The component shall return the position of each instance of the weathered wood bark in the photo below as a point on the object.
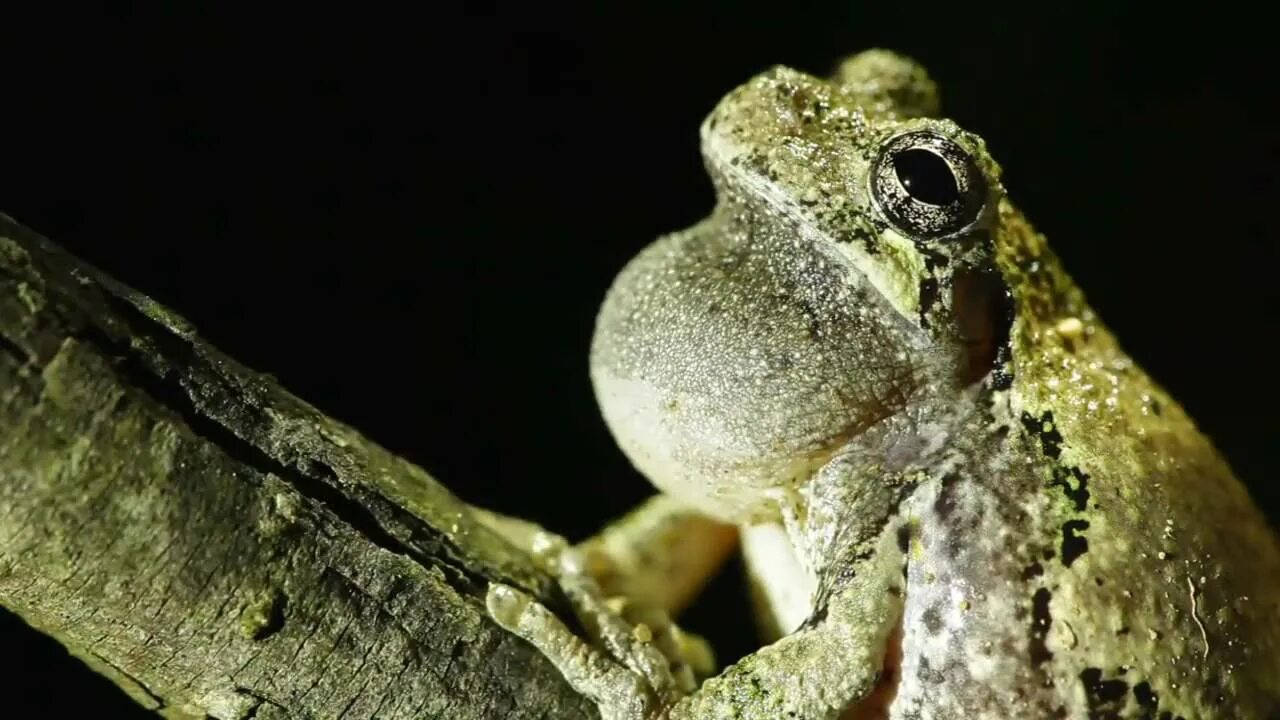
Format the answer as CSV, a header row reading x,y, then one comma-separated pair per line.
x,y
217,546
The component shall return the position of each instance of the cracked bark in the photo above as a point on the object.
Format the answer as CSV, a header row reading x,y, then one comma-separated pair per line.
x,y
216,546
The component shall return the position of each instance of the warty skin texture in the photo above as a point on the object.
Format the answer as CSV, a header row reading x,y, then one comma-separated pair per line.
x,y
1056,536
867,351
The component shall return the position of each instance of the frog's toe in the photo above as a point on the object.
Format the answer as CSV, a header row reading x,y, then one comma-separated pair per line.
x,y
688,656
505,604
620,693
640,642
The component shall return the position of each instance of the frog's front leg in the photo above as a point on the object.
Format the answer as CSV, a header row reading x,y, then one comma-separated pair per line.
x,y
815,673
822,671
624,584
659,555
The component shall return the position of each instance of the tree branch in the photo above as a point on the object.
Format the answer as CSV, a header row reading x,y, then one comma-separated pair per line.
x,y
218,547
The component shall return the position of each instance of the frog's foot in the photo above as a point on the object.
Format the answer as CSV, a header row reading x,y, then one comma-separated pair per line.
x,y
637,661
618,691
690,656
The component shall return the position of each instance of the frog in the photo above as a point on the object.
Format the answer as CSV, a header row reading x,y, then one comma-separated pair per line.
x,y
955,493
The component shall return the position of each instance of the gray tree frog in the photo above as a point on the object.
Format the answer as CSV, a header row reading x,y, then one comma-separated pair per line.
x,y
957,496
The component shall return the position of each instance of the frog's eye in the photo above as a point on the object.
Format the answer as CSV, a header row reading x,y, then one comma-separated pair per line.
x,y
927,185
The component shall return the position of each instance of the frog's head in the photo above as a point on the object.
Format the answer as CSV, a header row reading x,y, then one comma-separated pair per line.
x,y
909,201
848,270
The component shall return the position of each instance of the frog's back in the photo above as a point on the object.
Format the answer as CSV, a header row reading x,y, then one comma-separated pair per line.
x,y
1157,589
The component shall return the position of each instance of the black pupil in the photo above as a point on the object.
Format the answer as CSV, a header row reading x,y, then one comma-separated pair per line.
x,y
926,177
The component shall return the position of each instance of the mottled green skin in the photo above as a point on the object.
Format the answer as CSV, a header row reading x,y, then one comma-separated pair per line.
x,y
1167,517
1055,536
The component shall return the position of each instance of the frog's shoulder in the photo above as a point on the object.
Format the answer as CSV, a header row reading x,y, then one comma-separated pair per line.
x,y
1154,524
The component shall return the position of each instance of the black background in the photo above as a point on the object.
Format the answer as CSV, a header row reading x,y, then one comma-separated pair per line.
x,y
410,219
